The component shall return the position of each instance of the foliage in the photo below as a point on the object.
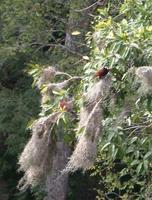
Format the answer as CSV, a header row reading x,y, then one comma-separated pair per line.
x,y
123,41
16,109
32,36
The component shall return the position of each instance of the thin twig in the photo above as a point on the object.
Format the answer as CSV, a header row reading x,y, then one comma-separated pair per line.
x,y
137,127
62,46
87,8
63,73
63,84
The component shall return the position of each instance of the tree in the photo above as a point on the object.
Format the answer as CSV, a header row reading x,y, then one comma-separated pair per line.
x,y
26,42
108,115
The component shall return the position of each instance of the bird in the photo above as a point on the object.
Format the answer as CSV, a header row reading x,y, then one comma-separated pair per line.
x,y
64,105
67,106
101,73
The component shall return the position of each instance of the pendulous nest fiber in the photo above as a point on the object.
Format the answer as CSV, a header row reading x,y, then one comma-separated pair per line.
x,y
144,75
35,159
84,155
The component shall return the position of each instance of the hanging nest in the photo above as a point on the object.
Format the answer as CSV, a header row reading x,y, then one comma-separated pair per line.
x,y
47,74
85,151
36,158
50,87
144,75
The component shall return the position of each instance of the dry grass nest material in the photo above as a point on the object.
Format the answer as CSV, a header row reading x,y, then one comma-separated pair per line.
x,y
85,151
144,75
36,157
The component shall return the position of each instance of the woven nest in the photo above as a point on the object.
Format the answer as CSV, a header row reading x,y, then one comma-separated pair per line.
x,y
36,158
85,151
144,75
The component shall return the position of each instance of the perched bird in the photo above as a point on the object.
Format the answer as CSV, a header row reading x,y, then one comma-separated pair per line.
x,y
67,105
101,73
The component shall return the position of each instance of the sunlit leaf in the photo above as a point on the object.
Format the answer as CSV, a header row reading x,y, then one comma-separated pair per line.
x,y
76,33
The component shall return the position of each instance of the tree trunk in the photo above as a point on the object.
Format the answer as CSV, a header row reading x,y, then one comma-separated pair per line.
x,y
4,192
79,18
57,184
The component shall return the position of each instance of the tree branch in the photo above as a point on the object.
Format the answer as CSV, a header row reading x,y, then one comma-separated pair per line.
x,y
87,8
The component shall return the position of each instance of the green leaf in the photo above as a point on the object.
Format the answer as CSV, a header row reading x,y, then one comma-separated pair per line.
x,y
143,140
130,149
76,33
146,165
114,151
111,135
133,139
139,167
135,45
106,145
135,162
148,154
85,57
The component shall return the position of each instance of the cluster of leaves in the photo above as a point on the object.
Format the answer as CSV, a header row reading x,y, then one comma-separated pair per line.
x,y
123,41
124,162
